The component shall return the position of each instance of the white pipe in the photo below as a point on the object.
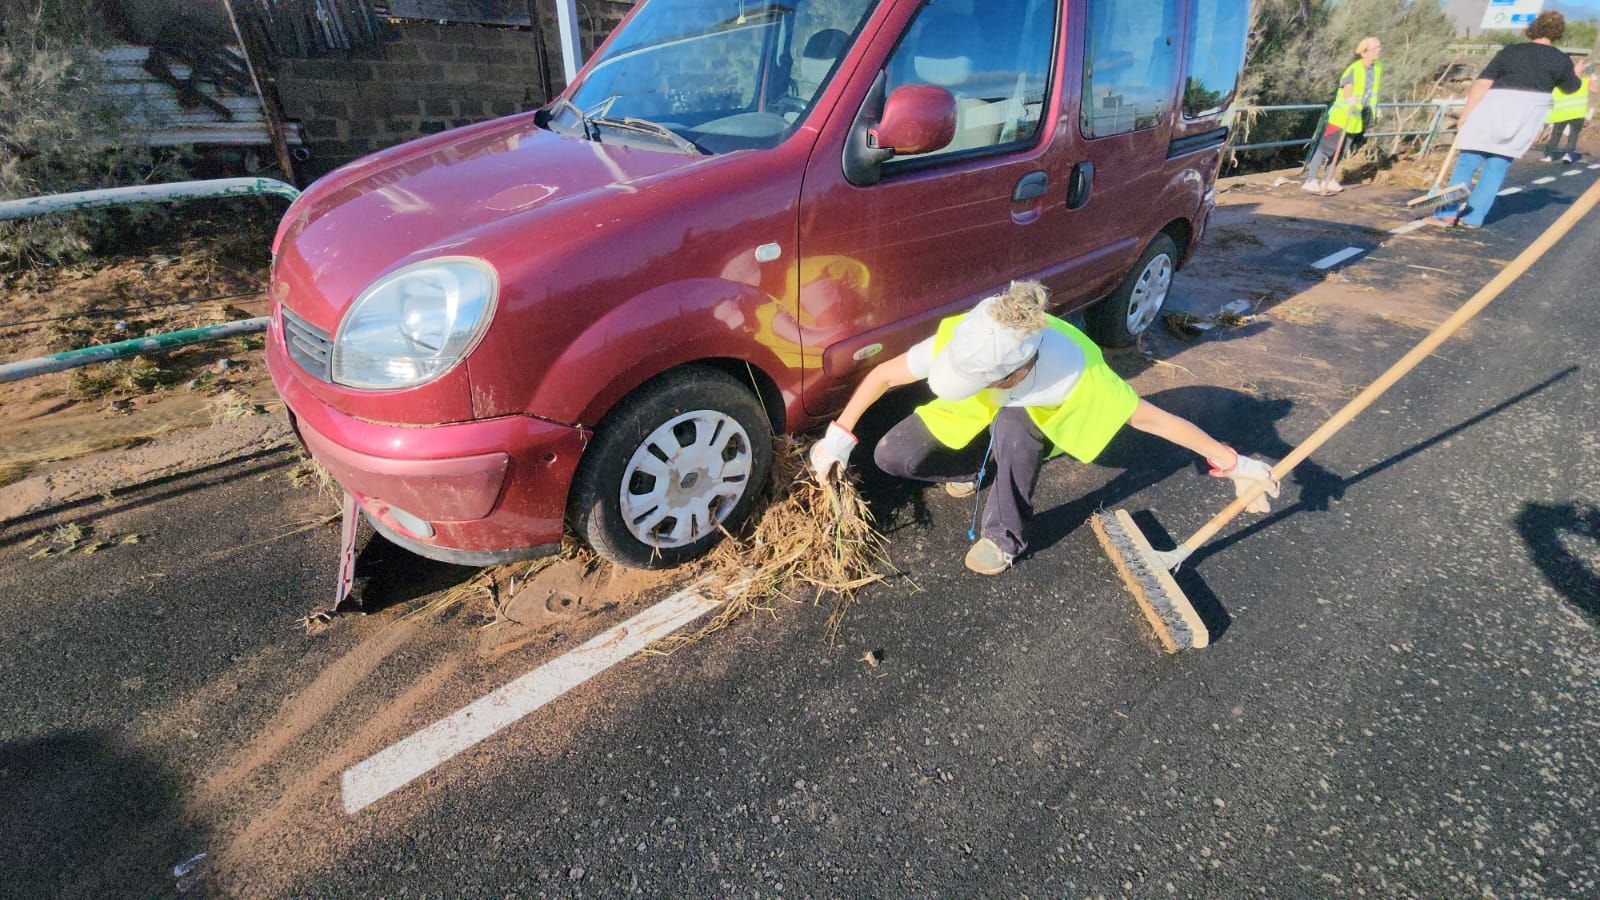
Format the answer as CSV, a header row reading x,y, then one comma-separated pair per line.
x,y
571,38
29,207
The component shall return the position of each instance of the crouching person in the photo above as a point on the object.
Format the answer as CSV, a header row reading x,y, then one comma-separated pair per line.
x,y
1017,385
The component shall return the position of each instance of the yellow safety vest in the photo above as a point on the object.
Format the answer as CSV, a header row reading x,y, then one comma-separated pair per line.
x,y
1095,410
1346,111
1569,105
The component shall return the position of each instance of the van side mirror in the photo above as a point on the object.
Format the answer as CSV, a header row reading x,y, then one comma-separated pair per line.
x,y
918,118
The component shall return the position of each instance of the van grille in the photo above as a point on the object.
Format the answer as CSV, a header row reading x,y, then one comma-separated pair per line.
x,y
308,345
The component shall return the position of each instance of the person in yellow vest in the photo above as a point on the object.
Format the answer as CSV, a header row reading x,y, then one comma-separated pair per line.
x,y
1017,385
1568,110
1348,118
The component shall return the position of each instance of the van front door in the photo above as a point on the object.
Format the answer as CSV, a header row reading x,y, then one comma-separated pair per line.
x,y
881,263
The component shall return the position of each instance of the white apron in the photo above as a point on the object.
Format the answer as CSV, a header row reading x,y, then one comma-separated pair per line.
x,y
1505,123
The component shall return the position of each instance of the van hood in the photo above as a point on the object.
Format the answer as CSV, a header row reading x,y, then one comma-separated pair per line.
x,y
429,196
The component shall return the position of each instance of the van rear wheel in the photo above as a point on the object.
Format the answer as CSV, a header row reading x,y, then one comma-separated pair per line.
x,y
677,462
1133,307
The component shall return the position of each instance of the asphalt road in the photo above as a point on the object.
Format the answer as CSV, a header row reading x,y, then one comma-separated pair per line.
x,y
1401,698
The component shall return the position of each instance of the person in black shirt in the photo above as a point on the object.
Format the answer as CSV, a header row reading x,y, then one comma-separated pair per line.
x,y
1505,112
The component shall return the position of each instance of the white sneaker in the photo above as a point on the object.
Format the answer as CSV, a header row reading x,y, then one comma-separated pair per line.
x,y
1332,187
1567,158
1547,158
986,558
1312,186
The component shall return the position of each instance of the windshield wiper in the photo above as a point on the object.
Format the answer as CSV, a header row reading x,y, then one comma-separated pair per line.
x,y
584,122
645,126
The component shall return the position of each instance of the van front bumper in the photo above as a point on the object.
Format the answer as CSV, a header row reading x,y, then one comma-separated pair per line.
x,y
472,493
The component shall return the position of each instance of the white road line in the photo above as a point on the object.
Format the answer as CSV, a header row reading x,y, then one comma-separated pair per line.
x,y
1573,172
1545,180
1593,166
1333,259
389,769
1409,227
1509,191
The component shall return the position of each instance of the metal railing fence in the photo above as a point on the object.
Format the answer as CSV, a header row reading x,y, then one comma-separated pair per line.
x,y
1430,115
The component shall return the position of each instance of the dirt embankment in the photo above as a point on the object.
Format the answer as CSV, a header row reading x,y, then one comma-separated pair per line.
x,y
212,270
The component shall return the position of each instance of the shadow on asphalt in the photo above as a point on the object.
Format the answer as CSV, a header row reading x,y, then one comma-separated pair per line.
x,y
1543,528
1334,488
387,575
145,493
87,816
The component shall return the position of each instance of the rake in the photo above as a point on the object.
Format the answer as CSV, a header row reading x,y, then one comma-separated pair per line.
x,y
1147,571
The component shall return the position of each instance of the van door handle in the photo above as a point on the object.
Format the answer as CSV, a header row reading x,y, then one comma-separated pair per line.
x,y
1080,185
1032,186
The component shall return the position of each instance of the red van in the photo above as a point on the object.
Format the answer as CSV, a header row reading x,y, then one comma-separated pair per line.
x,y
596,315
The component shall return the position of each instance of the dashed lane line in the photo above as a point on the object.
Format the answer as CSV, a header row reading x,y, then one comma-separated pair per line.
x,y
1545,180
1573,172
1593,166
1333,259
1409,227
1509,191
392,768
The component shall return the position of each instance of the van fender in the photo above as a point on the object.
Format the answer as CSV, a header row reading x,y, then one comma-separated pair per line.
x,y
666,327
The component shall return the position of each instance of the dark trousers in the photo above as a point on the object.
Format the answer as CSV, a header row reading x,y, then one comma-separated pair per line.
x,y
909,450
1573,126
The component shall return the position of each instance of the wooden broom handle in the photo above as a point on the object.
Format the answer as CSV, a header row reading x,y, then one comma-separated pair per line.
x,y
1471,308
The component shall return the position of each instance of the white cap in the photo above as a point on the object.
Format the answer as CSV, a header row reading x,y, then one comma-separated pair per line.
x,y
981,351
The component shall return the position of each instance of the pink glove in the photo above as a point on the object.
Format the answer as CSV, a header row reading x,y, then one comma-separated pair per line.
x,y
1246,474
830,455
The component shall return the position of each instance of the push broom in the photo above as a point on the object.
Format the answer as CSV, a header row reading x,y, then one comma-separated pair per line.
x,y
1147,571
1436,199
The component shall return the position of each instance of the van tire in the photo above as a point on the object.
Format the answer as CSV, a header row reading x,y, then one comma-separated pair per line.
x,y
712,402
1109,320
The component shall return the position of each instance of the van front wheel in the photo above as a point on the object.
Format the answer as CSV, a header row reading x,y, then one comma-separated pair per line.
x,y
677,462
1132,308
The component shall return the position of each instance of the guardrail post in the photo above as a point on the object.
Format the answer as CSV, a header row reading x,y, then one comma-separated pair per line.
x,y
1433,127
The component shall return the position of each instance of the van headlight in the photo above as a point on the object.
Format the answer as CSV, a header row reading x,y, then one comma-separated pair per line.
x,y
415,323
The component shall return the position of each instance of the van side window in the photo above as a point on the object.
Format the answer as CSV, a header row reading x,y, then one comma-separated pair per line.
x,y
1130,64
1216,54
993,55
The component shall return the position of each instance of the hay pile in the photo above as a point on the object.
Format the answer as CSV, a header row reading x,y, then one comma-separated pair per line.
x,y
810,536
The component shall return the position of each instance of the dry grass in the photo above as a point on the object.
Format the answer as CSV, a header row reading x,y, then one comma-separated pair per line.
x,y
11,472
232,405
816,537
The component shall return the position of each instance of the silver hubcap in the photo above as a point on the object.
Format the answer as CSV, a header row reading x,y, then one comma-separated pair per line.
x,y
1149,293
685,479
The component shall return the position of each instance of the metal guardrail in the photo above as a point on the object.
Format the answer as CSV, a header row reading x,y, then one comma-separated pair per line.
x,y
29,207
1429,135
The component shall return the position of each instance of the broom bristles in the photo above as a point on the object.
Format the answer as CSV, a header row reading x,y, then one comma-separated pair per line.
x,y
817,536
1168,610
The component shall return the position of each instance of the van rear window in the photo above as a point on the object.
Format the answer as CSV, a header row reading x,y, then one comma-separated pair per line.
x,y
1130,65
1217,39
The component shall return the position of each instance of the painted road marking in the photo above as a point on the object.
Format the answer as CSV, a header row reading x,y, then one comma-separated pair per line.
x,y
392,768
1593,166
1509,191
1545,180
1333,259
1573,172
1409,227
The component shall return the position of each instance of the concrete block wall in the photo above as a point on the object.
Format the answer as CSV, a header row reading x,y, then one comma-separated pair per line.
x,y
425,78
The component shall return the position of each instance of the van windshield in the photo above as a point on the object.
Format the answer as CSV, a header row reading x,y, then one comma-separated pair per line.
x,y
721,75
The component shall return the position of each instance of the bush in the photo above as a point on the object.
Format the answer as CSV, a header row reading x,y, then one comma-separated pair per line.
x,y
1299,47
61,132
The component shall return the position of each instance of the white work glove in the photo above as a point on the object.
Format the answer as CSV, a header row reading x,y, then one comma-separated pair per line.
x,y
1246,474
830,455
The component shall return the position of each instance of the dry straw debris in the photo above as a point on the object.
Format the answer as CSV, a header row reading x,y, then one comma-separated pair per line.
x,y
811,536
